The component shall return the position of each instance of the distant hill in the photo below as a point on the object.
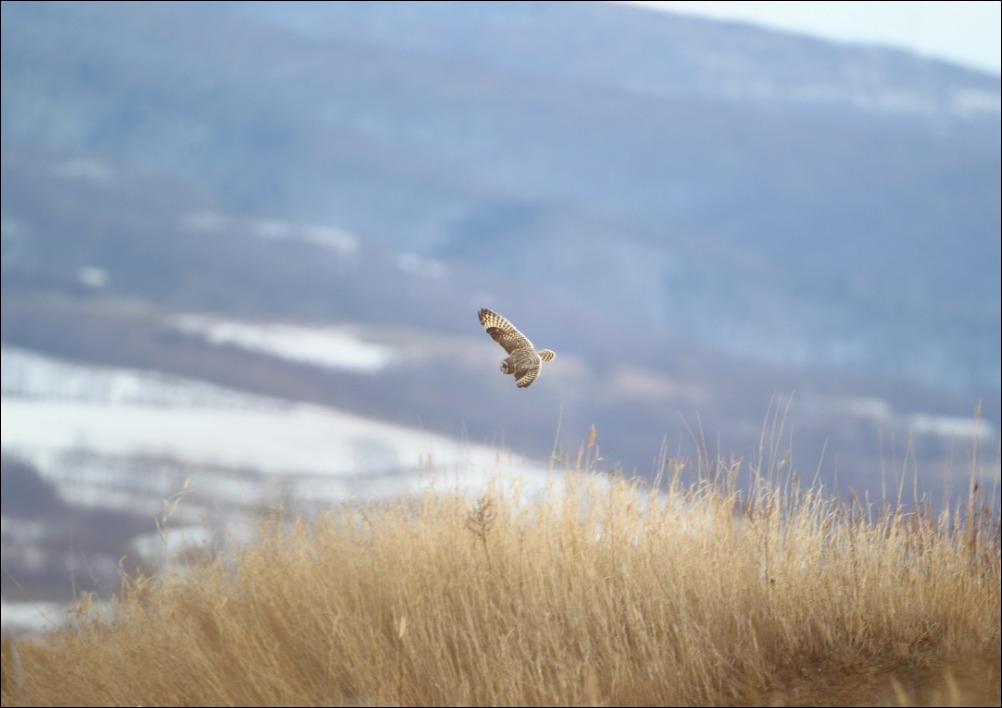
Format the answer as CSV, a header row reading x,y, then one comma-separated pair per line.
x,y
773,196
710,204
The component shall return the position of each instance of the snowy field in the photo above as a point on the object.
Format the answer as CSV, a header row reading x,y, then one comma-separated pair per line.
x,y
332,347
50,406
217,458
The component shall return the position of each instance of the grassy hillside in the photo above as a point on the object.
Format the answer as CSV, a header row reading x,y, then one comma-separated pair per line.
x,y
601,593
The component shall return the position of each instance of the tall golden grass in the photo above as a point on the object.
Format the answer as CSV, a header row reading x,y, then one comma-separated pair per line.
x,y
601,592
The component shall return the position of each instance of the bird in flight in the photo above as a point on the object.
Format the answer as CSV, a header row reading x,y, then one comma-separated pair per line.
x,y
523,360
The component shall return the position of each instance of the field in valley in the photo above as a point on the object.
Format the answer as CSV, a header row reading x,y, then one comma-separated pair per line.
x,y
598,592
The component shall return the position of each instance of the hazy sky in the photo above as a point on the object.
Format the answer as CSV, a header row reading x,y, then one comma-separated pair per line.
x,y
966,33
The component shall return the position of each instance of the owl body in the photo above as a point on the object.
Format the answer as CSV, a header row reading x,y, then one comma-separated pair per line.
x,y
523,361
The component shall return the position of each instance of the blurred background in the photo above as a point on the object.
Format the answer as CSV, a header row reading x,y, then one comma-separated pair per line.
x,y
244,244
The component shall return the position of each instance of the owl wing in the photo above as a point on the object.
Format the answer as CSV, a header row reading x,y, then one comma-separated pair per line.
x,y
527,377
503,332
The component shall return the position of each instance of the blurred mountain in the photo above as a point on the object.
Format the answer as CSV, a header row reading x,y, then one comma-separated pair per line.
x,y
695,214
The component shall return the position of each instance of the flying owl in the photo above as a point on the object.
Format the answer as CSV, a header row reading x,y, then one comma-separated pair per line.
x,y
523,360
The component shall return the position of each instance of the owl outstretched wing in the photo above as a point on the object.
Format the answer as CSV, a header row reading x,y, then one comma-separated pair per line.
x,y
503,332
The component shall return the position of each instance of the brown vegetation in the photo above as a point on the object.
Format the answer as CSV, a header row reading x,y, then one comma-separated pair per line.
x,y
598,593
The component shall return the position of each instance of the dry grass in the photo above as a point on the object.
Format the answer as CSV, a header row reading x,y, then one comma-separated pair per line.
x,y
601,594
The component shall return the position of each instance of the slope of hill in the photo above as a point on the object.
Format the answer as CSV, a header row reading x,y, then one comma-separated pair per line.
x,y
772,196
728,235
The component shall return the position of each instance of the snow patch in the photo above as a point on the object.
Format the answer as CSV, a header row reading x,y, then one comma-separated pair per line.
x,y
416,265
29,375
331,347
86,169
339,240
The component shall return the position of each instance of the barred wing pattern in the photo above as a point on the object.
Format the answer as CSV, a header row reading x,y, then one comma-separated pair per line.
x,y
523,361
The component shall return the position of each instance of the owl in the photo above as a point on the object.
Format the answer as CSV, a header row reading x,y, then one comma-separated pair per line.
x,y
523,360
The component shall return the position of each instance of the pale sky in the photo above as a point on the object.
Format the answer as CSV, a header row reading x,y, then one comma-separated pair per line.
x,y
962,32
